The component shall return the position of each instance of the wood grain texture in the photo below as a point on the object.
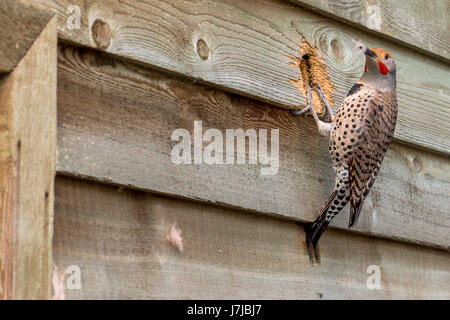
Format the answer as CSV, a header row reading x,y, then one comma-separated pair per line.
x,y
115,122
247,41
20,24
27,170
420,24
8,180
117,239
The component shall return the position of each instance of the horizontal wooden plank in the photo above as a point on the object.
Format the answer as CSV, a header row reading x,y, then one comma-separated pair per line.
x,y
20,25
421,24
117,238
115,122
239,45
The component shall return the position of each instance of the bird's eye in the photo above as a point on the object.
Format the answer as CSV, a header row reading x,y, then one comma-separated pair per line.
x,y
386,56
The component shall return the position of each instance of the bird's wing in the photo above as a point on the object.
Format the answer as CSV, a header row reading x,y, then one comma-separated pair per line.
x,y
388,120
360,169
373,141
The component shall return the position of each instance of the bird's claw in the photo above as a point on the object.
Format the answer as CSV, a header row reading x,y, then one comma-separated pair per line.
x,y
325,101
309,106
300,112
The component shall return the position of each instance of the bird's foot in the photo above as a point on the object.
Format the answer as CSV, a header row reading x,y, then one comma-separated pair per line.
x,y
328,109
300,112
310,107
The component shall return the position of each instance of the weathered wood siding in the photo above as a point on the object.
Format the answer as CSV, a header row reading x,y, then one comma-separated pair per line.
x,y
121,134
116,237
247,41
422,25
137,70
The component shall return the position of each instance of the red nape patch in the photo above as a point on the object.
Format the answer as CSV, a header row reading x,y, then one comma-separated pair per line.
x,y
383,69
365,68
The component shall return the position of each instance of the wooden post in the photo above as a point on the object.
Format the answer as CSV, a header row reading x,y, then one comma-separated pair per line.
x,y
27,155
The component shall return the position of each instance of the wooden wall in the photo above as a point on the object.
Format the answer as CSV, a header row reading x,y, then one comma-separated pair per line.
x,y
246,41
117,238
137,70
115,121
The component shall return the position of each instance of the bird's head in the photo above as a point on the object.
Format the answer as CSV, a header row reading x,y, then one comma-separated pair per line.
x,y
379,70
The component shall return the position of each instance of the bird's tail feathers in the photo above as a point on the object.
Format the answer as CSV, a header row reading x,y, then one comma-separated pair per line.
x,y
355,210
318,227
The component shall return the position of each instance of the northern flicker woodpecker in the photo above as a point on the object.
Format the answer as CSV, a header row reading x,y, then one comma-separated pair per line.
x,y
360,134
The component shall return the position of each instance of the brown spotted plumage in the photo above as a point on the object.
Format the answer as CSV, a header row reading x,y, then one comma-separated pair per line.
x,y
360,134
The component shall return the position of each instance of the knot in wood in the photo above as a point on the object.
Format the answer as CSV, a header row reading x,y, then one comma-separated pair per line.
x,y
101,33
337,49
202,49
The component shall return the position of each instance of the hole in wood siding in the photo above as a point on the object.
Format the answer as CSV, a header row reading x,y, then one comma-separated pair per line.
x,y
312,70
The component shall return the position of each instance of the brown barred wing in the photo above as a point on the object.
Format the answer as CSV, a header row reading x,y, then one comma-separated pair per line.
x,y
372,144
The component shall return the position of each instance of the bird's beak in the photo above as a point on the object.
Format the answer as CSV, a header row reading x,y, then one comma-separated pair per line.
x,y
369,53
